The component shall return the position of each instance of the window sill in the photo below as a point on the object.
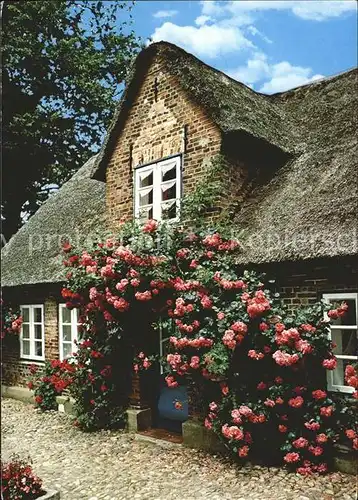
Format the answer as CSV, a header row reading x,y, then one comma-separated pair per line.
x,y
27,361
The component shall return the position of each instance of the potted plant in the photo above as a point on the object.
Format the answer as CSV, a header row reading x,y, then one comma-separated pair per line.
x,y
18,481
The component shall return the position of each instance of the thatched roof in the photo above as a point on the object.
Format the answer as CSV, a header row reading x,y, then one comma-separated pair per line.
x,y
309,208
74,212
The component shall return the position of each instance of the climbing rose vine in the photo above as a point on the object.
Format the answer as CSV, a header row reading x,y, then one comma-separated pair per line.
x,y
260,370
11,320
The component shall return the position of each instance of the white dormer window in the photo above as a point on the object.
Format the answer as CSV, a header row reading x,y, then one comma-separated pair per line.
x,y
344,333
158,190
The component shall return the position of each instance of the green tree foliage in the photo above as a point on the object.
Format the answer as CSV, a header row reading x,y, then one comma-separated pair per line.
x,y
63,63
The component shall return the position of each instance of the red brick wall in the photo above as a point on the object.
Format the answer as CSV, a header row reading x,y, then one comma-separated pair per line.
x,y
160,123
304,283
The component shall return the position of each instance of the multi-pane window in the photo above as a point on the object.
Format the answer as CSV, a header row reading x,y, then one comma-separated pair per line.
x,y
68,327
344,334
32,338
158,190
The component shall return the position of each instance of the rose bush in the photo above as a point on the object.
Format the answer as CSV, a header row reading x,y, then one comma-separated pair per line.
x,y
51,382
261,370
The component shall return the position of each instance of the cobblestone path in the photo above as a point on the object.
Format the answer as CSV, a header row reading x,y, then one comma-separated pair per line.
x,y
115,466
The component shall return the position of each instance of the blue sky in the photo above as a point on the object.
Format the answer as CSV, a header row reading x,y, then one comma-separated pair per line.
x,y
269,45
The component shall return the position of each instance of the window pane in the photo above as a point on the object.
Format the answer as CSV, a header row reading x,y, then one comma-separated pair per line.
x,y
66,333
346,341
25,314
26,347
146,197
169,191
338,373
146,213
38,348
67,350
66,315
37,314
169,172
146,178
350,318
38,331
25,331
79,332
169,210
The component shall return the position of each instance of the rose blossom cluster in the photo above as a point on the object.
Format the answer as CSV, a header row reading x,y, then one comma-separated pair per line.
x,y
351,378
351,434
339,312
171,382
197,343
212,415
181,285
258,305
292,338
234,335
284,358
215,241
227,284
141,362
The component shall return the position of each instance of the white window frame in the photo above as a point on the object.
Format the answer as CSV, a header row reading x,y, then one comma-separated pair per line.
x,y
162,341
330,297
157,184
32,339
74,330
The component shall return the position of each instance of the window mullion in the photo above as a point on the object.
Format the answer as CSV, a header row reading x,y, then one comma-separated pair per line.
x,y
156,191
61,330
136,192
73,328
32,332
43,330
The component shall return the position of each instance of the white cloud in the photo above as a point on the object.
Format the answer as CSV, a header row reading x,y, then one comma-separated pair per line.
x,y
285,77
279,77
212,8
312,10
227,26
256,69
320,11
201,20
205,41
255,32
162,14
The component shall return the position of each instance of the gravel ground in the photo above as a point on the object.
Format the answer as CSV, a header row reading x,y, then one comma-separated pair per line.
x,y
115,466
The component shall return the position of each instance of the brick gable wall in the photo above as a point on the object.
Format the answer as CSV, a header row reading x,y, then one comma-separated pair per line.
x,y
161,122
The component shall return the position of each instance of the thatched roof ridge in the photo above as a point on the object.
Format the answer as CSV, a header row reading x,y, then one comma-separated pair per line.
x,y
75,212
309,208
232,105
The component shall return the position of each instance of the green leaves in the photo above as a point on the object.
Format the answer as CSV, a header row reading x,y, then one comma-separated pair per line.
x,y
63,65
